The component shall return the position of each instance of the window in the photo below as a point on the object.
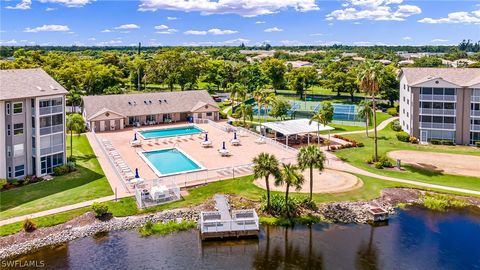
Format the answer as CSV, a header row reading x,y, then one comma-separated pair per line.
x,y
17,107
426,91
57,160
403,98
18,129
19,170
449,91
18,150
9,172
9,151
44,103
32,103
9,130
209,113
57,119
408,101
56,102
407,126
8,108
407,114
33,122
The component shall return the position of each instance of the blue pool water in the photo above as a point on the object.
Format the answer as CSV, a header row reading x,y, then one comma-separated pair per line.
x,y
170,161
169,132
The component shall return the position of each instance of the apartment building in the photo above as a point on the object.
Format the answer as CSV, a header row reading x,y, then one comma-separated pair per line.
x,y
32,123
441,103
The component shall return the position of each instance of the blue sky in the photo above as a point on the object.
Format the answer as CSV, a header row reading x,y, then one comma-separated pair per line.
x,y
231,22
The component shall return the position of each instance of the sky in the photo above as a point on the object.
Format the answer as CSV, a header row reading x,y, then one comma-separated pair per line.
x,y
232,22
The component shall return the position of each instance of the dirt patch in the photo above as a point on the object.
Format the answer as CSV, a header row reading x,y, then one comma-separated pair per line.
x,y
438,163
328,181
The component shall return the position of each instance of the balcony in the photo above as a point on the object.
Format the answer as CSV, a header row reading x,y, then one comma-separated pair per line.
x,y
438,97
51,109
475,113
474,127
51,129
437,125
475,99
52,149
437,111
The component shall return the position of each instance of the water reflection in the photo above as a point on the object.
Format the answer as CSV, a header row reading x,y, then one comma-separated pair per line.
x,y
414,239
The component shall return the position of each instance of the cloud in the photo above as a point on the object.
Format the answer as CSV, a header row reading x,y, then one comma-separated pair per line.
x,y
407,38
259,22
127,26
437,40
287,42
92,39
50,9
106,31
273,29
48,28
362,43
172,18
230,42
9,42
24,4
245,8
236,41
213,31
110,43
161,27
69,3
456,17
316,34
378,10
164,29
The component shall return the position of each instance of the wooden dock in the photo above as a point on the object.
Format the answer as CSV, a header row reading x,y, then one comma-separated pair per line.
x,y
226,222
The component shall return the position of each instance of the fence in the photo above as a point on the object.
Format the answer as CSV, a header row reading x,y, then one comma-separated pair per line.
x,y
146,196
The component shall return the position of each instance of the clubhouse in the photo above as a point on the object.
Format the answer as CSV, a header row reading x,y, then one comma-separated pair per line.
x,y
113,112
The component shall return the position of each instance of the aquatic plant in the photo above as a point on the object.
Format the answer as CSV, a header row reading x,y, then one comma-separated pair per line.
x,y
439,202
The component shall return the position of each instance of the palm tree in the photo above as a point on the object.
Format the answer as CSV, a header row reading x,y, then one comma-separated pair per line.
x,y
290,175
311,157
245,111
269,100
74,97
265,165
365,110
237,92
75,124
370,78
259,95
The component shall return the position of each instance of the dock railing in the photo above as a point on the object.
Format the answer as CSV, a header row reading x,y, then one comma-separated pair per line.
x,y
215,225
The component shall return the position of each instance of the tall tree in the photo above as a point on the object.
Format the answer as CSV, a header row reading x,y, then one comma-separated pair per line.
x,y
291,176
324,116
275,70
310,156
301,79
370,77
391,86
280,108
75,124
365,110
74,97
264,166
260,94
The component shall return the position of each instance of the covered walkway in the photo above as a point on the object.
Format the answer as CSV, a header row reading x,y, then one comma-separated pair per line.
x,y
296,127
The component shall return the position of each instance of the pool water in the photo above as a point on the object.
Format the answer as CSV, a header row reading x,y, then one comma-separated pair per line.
x,y
169,132
170,161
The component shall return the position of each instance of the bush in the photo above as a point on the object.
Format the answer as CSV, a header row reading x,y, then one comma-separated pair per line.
x,y
447,142
71,166
100,209
435,141
395,126
403,136
477,143
277,205
392,111
60,170
223,115
29,225
413,139
378,165
360,144
3,182
385,162
440,202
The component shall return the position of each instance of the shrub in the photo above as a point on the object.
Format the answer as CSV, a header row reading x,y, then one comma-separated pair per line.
x,y
395,126
60,170
435,141
403,136
447,142
223,115
333,148
385,161
277,205
360,144
477,143
3,183
440,202
378,165
71,166
29,225
27,179
71,159
392,111
100,209
413,139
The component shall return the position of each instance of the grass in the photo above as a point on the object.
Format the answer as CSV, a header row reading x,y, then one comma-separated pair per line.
x,y
388,142
166,228
381,116
283,221
440,202
87,183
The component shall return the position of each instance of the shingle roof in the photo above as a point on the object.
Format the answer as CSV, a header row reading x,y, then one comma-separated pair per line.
x,y
24,83
464,77
148,103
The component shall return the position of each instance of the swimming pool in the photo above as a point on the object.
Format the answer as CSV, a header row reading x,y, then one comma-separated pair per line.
x,y
170,161
169,132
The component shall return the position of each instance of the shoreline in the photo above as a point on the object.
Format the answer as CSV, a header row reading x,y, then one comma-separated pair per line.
x,y
355,212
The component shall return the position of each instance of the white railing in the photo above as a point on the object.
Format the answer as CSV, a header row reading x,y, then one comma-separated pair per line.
x,y
51,109
424,97
474,127
437,111
219,225
52,149
51,129
475,99
474,113
437,125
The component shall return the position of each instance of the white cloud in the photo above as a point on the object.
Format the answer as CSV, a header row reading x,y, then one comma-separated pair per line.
x,y
259,22
407,38
456,17
379,10
127,26
9,42
106,31
92,39
287,42
362,43
437,40
110,43
236,41
48,28
230,42
69,3
246,8
273,29
316,34
24,4
161,27
172,18
50,9
213,31
164,29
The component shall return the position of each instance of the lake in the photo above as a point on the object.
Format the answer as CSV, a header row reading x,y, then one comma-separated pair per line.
x,y
415,238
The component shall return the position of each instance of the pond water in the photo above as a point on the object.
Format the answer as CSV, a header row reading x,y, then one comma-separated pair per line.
x,y
414,239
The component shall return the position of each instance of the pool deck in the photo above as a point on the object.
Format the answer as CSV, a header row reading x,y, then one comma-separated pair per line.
x,y
217,167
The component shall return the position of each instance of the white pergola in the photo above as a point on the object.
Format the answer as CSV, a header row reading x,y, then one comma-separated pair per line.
x,y
296,127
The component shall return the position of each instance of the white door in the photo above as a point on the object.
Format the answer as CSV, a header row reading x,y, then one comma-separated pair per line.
x,y
112,124
102,125
423,137
121,123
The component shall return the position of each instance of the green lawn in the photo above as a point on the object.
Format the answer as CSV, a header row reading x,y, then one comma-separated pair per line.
x,y
242,186
381,116
87,183
388,142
